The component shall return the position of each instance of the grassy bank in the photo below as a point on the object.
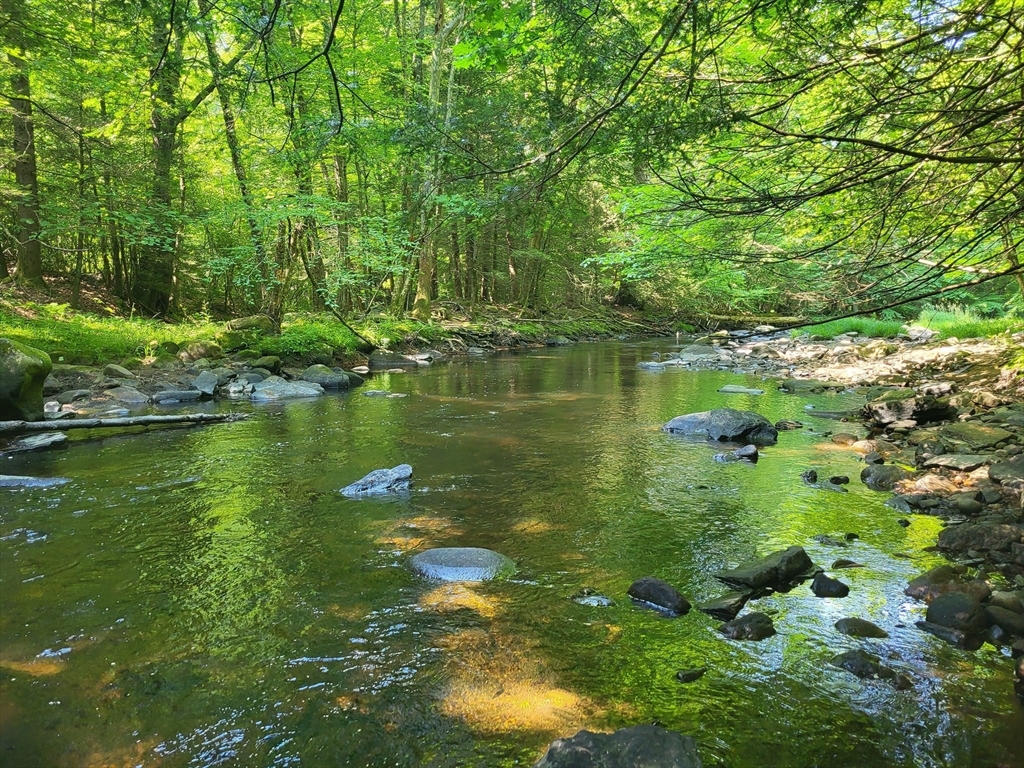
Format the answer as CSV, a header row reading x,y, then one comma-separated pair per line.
x,y
952,322
87,338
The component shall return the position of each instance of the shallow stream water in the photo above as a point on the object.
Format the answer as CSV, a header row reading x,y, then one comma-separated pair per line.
x,y
205,596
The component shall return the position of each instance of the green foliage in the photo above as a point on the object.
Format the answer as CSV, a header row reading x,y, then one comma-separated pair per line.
x,y
877,329
964,323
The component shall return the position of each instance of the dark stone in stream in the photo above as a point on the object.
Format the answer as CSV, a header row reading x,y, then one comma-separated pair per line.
x,y
690,675
868,667
727,607
944,580
592,599
639,746
1010,622
968,641
325,377
753,626
785,425
839,480
828,541
957,610
855,627
381,481
176,396
660,595
809,476
844,563
903,522
823,586
776,571
462,564
747,453
874,457
882,477
980,536
725,425
41,441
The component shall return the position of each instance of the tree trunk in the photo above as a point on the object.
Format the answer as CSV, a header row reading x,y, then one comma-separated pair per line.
x,y
26,230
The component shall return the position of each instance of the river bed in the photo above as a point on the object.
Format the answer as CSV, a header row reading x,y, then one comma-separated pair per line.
x,y
203,597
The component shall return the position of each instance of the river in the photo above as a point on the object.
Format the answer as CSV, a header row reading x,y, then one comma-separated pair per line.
x,y
205,596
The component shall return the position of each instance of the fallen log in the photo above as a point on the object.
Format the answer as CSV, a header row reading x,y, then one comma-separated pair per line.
x,y
25,427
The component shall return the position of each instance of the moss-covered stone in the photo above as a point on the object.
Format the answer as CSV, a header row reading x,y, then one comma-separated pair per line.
x,y
23,370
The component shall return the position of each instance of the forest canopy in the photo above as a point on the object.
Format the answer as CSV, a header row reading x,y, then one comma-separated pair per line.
x,y
819,158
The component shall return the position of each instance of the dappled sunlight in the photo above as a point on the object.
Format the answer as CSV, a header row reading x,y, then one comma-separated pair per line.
x,y
533,525
497,686
37,667
453,597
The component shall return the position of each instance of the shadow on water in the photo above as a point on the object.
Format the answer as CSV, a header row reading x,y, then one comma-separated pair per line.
x,y
206,597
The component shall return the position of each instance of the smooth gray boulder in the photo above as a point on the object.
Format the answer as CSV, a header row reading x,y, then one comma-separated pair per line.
x,y
176,396
325,377
462,564
381,481
855,627
382,358
276,388
660,595
206,382
980,536
115,371
776,571
127,395
640,746
23,370
752,626
20,481
725,425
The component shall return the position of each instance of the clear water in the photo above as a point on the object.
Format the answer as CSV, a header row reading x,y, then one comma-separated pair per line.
x,y
202,597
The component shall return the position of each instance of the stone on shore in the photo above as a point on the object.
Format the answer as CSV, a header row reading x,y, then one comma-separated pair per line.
x,y
382,358
975,436
325,377
381,481
462,564
961,462
23,370
639,746
725,425
659,595
907,405
980,536
776,571
206,382
752,626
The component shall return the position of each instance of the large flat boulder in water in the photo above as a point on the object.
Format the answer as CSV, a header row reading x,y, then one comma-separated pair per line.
x,y
462,564
725,425
276,388
640,746
776,571
380,481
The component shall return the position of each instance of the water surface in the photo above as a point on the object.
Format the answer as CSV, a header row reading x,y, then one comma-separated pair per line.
x,y
205,596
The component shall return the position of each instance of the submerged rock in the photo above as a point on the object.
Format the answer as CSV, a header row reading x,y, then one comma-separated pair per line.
x,y
753,626
735,389
176,396
868,667
380,481
462,564
725,425
727,607
41,441
20,481
882,477
640,746
776,571
855,627
659,595
943,580
689,675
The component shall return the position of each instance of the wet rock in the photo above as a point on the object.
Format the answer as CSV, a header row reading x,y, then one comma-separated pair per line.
x,y
735,389
906,404
903,522
1010,622
20,481
726,607
690,675
381,358
784,425
808,386
592,599
650,365
276,388
844,563
776,571
42,441
354,379
974,435
829,541
959,461
839,480
325,377
969,506
1011,470
23,370
127,395
640,746
868,667
725,424
557,341
882,477
874,457
381,481
747,453
462,564
660,595
1010,601
957,610
752,626
73,395
855,627
272,363
969,641
206,383
979,536
809,476
823,586
844,438
176,396
943,580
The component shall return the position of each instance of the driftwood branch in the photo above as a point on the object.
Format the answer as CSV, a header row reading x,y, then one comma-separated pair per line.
x,y
59,425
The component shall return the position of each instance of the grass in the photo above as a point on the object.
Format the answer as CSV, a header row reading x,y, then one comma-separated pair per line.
x,y
879,329
962,323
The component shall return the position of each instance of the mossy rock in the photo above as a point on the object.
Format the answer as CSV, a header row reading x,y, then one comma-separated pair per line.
x,y
23,370
231,340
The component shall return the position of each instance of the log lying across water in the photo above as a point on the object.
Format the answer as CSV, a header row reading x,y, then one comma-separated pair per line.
x,y
60,425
